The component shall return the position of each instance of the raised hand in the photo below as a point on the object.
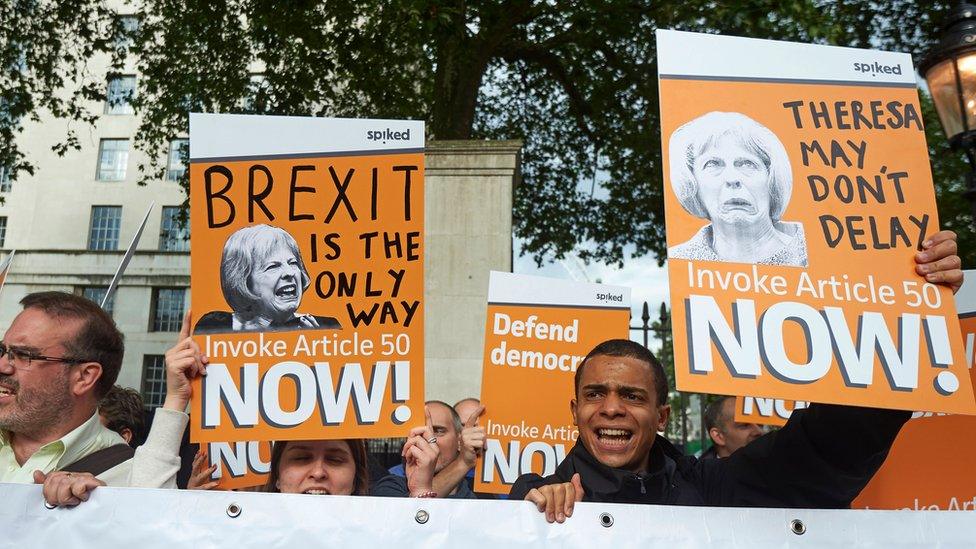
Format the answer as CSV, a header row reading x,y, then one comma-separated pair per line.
x,y
184,362
472,443
938,261
420,454
201,474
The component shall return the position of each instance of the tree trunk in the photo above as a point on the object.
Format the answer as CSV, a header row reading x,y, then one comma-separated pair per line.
x,y
457,80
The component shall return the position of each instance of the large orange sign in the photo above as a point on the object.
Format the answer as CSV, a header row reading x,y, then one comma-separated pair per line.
x,y
765,411
240,464
903,482
537,332
795,202
930,466
307,277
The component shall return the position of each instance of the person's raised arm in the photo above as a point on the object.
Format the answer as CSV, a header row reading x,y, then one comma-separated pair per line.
x,y
826,453
420,453
157,462
472,446
184,363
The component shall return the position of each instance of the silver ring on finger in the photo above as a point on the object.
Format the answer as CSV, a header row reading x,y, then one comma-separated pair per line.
x,y
432,440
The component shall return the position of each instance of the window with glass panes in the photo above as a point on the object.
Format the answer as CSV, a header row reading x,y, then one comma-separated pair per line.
x,y
173,237
167,308
176,164
153,380
104,231
3,230
113,157
127,27
121,89
4,179
97,294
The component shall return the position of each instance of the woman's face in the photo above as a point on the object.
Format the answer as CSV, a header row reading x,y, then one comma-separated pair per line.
x,y
317,467
276,280
733,183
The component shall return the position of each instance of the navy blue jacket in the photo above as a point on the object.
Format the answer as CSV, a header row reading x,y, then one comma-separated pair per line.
x,y
821,459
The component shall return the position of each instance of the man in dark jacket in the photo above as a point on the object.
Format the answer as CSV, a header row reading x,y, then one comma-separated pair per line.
x,y
822,458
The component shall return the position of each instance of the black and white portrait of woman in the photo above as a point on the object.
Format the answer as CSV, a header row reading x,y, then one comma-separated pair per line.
x,y
732,171
263,279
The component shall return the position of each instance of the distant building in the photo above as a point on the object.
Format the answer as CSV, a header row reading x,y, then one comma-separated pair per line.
x,y
71,222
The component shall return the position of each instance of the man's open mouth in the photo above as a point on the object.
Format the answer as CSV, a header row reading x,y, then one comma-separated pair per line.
x,y
738,204
7,391
614,437
288,291
316,492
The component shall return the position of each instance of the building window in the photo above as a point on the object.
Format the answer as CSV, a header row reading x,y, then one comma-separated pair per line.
x,y
121,90
126,29
153,381
113,156
4,179
104,232
167,309
3,230
176,163
97,294
173,237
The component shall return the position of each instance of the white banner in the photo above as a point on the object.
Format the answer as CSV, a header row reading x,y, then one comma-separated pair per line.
x,y
129,517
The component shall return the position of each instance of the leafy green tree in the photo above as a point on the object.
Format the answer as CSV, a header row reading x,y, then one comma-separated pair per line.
x,y
44,50
576,80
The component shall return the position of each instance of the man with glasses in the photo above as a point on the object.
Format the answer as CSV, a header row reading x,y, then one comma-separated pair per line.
x,y
59,356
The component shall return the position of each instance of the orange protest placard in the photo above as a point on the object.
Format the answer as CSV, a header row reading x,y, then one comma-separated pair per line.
x,y
765,411
930,466
798,191
537,332
240,464
306,277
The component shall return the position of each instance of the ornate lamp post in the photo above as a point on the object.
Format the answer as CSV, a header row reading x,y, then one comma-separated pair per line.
x,y
950,71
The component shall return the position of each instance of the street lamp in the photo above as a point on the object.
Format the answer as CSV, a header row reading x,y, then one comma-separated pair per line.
x,y
950,71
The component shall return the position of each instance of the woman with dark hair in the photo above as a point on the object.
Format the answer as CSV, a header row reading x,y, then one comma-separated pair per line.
x,y
263,279
339,467
321,467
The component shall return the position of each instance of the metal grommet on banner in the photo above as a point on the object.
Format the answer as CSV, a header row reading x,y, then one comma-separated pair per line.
x,y
421,517
797,527
234,510
606,520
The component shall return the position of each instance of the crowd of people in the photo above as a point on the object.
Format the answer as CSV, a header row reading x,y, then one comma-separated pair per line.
x,y
63,424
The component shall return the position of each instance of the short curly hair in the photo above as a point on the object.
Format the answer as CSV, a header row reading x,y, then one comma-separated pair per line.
x,y
694,138
243,250
122,408
629,349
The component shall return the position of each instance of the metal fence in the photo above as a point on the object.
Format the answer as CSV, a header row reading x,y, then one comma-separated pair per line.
x,y
386,451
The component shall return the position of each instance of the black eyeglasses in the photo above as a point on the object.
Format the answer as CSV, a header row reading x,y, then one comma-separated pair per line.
x,y
21,356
